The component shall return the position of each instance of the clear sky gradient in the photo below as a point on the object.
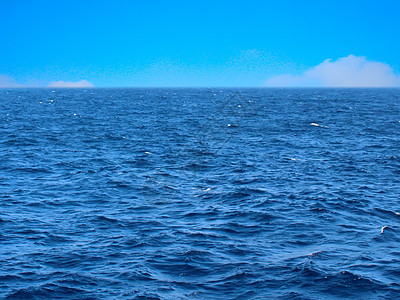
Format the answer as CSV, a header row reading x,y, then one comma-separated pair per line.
x,y
196,43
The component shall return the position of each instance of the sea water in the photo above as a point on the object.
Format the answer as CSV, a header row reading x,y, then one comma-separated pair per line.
x,y
200,193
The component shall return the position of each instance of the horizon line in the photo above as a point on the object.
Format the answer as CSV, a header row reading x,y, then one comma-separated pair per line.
x,y
202,87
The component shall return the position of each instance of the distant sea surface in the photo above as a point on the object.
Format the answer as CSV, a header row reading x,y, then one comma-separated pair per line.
x,y
200,194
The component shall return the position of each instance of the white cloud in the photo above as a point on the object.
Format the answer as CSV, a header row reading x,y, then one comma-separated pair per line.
x,y
8,82
70,84
350,71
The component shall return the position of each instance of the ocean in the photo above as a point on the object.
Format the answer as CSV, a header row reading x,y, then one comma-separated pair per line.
x,y
200,193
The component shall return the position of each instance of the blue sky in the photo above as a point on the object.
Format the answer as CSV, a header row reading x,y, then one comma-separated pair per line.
x,y
196,43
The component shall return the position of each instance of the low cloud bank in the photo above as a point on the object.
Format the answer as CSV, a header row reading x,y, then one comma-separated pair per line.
x,y
8,82
350,71
70,84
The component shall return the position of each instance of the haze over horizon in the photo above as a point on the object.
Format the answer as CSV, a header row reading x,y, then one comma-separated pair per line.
x,y
199,44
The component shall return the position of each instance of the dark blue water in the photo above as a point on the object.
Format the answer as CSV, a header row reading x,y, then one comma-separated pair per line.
x,y
200,194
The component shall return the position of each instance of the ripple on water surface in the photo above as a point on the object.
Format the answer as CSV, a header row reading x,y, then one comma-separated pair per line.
x,y
199,194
